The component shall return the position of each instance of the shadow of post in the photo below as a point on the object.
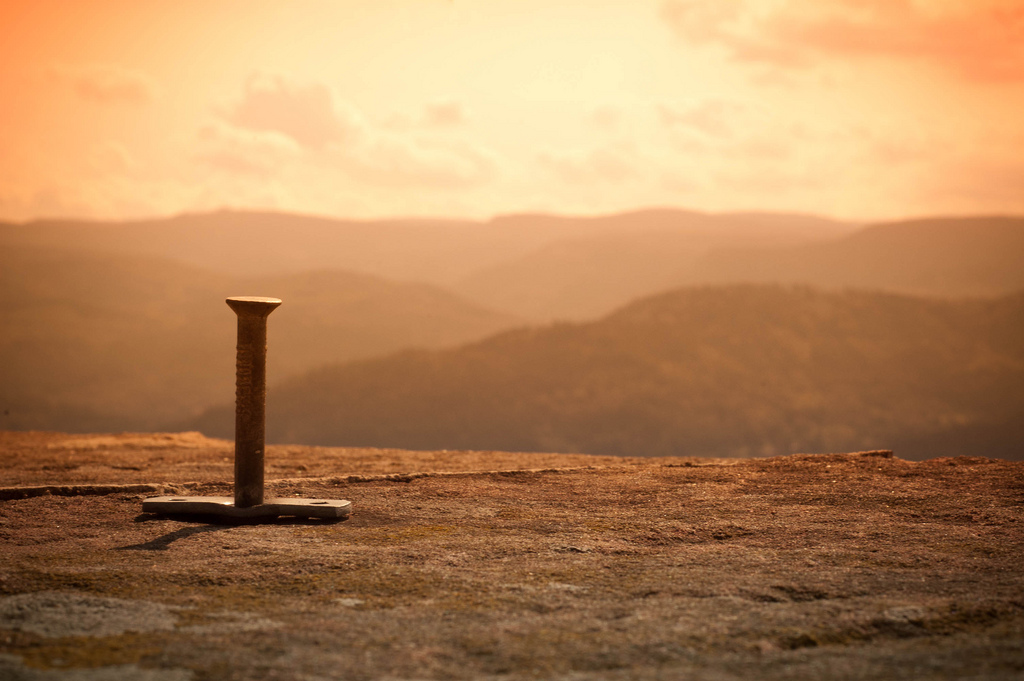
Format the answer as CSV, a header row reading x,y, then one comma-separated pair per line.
x,y
162,543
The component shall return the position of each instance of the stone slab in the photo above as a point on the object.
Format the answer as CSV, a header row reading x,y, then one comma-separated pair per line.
x,y
510,567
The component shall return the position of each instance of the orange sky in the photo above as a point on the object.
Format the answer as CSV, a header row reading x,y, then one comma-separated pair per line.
x,y
852,108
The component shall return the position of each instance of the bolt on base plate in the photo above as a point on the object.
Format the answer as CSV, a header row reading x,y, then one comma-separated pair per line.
x,y
225,507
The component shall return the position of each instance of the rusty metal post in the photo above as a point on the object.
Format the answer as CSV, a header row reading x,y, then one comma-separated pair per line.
x,y
250,396
248,503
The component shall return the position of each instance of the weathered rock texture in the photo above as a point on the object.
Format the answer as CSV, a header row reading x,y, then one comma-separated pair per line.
x,y
470,565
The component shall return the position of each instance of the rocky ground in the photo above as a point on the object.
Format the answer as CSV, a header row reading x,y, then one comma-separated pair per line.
x,y
490,565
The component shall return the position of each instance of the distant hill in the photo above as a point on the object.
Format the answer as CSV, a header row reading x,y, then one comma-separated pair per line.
x,y
937,256
249,243
95,341
623,257
725,371
438,251
584,277
549,267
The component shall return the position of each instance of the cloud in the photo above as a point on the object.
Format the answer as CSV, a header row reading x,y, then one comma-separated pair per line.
x,y
598,165
388,159
278,123
445,114
243,151
713,117
981,40
606,118
108,83
732,130
111,157
699,21
305,112
978,183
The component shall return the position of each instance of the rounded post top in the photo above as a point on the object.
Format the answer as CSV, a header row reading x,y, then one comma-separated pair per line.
x,y
253,304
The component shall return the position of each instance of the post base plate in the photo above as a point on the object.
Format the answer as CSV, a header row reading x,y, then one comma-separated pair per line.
x,y
225,507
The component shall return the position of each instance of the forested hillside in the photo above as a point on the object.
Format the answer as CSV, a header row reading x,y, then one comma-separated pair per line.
x,y
586,277
966,256
729,371
94,341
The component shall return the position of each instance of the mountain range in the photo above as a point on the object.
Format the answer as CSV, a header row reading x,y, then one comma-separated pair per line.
x,y
544,267
115,326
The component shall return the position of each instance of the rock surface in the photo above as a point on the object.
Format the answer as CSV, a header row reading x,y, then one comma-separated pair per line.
x,y
477,565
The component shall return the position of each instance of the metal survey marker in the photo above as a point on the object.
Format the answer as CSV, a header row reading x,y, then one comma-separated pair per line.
x,y
250,432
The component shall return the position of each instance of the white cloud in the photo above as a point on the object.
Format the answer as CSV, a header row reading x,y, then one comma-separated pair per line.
x,y
601,165
306,112
606,118
108,83
111,157
401,160
714,117
277,122
699,21
52,201
975,183
445,114
981,40
244,151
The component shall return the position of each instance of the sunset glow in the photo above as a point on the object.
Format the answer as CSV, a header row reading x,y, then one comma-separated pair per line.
x,y
849,108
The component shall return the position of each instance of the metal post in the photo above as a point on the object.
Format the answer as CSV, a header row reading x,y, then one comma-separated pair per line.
x,y
250,430
250,396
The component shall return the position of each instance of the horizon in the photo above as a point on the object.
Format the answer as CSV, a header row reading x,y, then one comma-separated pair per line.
x,y
517,214
856,111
